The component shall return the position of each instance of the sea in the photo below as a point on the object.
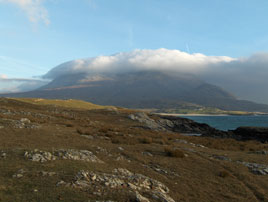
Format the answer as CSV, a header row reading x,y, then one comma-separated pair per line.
x,y
230,122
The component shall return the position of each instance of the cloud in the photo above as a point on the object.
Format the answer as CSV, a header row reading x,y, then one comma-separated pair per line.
x,y
160,59
33,8
11,85
245,77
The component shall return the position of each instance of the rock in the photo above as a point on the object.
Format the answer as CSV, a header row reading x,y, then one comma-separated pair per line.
x,y
3,154
251,133
1,127
82,155
258,169
49,174
132,186
19,173
60,183
144,118
90,137
25,120
39,156
121,149
140,198
166,123
147,153
163,197
17,176
181,141
200,145
120,178
187,126
224,158
69,154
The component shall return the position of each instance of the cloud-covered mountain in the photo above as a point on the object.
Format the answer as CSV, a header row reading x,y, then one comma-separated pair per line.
x,y
244,77
160,79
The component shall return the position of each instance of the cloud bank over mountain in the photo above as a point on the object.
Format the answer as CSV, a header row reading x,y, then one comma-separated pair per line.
x,y
137,60
245,77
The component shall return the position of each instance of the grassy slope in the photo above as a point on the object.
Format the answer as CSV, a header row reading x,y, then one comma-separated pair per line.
x,y
197,177
75,104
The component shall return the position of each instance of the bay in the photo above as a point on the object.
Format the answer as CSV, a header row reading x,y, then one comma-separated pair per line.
x,y
230,122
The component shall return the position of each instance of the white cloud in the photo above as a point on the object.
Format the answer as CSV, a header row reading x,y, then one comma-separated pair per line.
x,y
245,77
11,85
33,8
161,59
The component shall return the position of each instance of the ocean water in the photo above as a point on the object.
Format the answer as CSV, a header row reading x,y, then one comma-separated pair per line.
x,y
231,122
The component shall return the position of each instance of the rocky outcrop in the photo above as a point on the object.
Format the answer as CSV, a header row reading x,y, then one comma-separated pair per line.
x,y
258,169
183,125
178,124
69,154
251,133
187,126
121,178
146,120
255,168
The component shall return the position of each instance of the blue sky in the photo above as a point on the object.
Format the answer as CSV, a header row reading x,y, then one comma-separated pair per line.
x,y
87,28
37,35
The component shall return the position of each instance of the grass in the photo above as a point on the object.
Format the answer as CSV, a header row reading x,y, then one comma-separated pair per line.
x,y
211,180
75,104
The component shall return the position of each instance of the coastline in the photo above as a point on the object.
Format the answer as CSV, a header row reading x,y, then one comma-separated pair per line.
x,y
171,114
250,114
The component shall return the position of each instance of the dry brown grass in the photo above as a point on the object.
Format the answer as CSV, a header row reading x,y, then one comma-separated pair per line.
x,y
200,177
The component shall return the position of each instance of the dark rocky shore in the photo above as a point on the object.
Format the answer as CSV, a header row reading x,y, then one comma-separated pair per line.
x,y
184,125
187,126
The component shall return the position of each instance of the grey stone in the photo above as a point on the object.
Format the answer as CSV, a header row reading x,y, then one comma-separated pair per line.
x,y
258,169
121,177
140,198
90,137
69,154
25,120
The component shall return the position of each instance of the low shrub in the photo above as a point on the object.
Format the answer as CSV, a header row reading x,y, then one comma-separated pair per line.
x,y
80,131
146,140
224,174
174,152
116,141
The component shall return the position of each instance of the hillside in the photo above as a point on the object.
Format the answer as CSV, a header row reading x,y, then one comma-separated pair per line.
x,y
73,104
52,153
144,89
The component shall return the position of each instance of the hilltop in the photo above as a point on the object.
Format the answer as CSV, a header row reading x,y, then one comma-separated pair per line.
x,y
56,150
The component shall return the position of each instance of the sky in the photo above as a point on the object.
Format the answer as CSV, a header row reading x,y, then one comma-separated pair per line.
x,y
38,35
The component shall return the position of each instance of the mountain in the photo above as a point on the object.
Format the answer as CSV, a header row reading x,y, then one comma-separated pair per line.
x,y
143,89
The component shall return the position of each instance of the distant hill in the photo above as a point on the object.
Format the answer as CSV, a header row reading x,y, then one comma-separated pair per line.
x,y
145,89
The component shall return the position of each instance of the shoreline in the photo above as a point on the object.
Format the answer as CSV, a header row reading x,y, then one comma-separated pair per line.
x,y
171,114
